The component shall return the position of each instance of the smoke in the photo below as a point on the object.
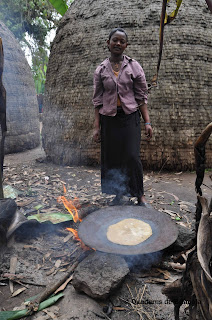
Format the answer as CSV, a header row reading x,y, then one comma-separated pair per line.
x,y
143,261
115,181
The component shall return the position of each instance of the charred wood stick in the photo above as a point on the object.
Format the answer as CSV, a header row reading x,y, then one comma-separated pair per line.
x,y
204,239
201,141
34,304
177,266
199,152
202,296
23,282
2,117
1,186
210,207
19,279
12,276
209,3
162,17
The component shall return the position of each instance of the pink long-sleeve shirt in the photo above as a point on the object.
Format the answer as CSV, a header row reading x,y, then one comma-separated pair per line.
x,y
130,85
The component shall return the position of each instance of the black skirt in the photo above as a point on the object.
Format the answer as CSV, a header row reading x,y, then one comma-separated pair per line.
x,y
121,167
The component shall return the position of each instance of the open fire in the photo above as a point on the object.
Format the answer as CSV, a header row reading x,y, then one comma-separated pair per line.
x,y
75,233
72,206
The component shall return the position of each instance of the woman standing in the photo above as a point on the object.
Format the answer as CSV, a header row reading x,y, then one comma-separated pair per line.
x,y
120,96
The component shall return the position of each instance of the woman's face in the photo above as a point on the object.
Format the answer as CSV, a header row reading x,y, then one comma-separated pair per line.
x,y
117,43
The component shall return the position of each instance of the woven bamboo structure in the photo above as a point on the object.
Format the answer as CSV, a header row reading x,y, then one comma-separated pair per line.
x,y
181,105
22,108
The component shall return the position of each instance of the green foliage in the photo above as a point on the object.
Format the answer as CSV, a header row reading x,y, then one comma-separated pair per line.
x,y
60,6
11,315
53,217
39,67
34,19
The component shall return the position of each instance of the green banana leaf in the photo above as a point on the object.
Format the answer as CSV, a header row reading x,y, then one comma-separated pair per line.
x,y
169,18
11,315
60,6
53,217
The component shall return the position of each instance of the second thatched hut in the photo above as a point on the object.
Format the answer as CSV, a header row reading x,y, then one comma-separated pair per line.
x,y
23,127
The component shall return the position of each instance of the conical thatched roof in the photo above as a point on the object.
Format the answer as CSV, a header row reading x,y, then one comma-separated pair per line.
x,y
180,107
22,107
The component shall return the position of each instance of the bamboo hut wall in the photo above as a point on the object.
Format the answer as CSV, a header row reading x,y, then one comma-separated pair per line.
x,y
180,107
23,127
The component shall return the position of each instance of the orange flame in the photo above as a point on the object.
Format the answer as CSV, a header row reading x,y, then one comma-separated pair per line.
x,y
70,206
76,236
75,233
64,188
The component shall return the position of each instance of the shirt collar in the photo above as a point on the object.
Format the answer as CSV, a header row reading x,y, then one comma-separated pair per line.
x,y
126,60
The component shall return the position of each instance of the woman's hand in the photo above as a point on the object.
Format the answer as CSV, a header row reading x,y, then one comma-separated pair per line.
x,y
97,135
96,132
145,116
148,131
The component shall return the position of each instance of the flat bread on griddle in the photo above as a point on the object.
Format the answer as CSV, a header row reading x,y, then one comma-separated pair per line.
x,y
129,232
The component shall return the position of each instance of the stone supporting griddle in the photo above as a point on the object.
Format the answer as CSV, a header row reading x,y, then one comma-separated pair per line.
x,y
100,274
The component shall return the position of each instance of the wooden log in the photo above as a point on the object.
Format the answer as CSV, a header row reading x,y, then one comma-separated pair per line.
x,y
2,117
196,283
204,239
199,152
202,291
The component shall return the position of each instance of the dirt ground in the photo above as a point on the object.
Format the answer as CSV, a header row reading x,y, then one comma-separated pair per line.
x,y
43,251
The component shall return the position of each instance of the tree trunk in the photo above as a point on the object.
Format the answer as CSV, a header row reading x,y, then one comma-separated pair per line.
x,y
2,117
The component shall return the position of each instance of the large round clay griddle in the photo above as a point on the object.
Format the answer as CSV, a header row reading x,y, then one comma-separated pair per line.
x,y
93,229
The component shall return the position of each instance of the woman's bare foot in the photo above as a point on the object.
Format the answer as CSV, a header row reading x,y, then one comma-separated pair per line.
x,y
142,199
142,202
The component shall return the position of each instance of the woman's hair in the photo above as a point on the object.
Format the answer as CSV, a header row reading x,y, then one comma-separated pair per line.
x,y
120,30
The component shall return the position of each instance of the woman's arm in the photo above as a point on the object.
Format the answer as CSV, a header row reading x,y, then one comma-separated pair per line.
x,y
97,102
97,88
96,133
140,87
145,115
141,94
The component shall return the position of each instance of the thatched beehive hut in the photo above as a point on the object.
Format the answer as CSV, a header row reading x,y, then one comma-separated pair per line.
x,y
180,107
22,107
